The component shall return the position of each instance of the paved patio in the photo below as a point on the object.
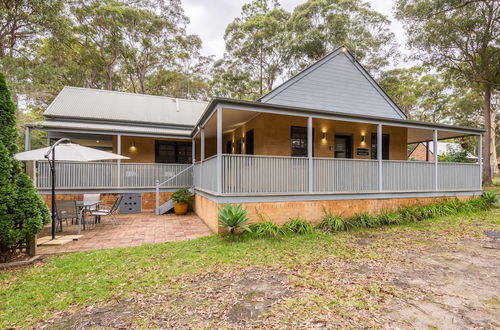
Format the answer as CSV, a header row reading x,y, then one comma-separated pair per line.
x,y
132,230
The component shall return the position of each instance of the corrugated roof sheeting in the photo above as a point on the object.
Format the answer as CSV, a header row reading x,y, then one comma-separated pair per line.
x,y
110,105
124,129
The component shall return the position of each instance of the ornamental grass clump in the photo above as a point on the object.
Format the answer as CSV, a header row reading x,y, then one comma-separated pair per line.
x,y
332,223
265,229
233,217
297,226
490,197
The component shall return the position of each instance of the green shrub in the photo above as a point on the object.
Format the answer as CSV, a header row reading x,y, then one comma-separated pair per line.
x,y
364,220
265,230
233,217
390,218
297,226
332,223
182,195
22,211
490,197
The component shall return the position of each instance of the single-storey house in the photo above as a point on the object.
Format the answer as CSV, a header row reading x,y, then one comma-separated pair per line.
x,y
329,138
425,151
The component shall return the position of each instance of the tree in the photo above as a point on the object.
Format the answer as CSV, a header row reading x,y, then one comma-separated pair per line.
x,y
420,94
230,80
257,40
463,38
22,212
317,27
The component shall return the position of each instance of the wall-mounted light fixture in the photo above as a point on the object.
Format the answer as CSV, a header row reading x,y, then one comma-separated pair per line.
x,y
324,135
132,146
363,138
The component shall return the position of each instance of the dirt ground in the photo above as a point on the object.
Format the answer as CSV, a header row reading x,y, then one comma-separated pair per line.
x,y
433,284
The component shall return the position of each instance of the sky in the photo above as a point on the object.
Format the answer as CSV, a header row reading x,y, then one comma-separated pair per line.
x,y
209,19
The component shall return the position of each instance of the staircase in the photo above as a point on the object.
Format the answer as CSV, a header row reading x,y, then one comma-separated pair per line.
x,y
167,206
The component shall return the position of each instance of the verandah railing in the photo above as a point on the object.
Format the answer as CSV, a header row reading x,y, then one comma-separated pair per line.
x,y
90,175
248,174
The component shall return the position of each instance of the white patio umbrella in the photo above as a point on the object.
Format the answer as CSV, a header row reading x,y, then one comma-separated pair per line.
x,y
67,152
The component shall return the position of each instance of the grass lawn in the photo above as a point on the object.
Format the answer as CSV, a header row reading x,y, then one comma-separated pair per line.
x,y
205,282
495,187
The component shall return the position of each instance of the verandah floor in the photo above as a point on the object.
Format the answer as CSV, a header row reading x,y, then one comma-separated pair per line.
x,y
132,230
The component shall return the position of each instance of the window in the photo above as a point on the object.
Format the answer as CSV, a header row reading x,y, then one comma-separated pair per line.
x,y
299,141
229,147
385,146
173,152
249,142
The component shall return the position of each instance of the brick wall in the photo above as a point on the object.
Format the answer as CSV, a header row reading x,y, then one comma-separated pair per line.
x,y
107,200
419,153
313,211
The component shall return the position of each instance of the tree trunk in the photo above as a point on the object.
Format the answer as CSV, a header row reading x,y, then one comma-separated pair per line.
x,y
487,173
493,144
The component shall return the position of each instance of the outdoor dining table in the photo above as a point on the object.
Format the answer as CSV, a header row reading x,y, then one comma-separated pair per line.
x,y
83,206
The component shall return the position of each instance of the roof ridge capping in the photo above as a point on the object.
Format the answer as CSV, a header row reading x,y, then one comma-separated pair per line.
x,y
133,94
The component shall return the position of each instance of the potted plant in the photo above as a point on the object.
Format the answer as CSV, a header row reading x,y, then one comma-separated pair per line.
x,y
181,199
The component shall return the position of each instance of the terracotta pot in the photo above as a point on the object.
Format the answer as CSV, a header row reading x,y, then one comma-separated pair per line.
x,y
181,208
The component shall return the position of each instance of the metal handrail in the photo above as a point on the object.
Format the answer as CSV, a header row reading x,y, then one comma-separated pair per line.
x,y
158,184
173,177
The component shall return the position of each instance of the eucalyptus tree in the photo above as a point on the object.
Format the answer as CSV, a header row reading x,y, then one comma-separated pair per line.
x,y
421,95
317,27
257,41
463,38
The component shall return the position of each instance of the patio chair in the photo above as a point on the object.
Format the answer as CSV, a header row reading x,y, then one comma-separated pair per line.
x,y
66,210
93,199
111,212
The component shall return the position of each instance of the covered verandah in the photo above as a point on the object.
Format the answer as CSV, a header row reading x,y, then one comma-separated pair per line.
x,y
311,163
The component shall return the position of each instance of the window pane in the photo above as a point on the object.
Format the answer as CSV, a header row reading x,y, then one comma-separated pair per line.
x,y
299,141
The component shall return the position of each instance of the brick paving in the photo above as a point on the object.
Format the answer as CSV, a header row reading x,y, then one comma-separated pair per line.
x,y
132,230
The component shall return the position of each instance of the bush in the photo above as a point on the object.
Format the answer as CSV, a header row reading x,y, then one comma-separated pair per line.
x,y
332,223
182,195
265,230
22,212
390,218
490,197
233,217
297,226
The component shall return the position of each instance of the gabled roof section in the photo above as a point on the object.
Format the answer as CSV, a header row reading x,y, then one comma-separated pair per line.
x,y
104,105
336,83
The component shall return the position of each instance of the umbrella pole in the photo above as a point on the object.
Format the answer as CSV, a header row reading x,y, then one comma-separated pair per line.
x,y
53,177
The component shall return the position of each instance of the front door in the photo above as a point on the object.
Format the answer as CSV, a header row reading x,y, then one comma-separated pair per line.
x,y
343,146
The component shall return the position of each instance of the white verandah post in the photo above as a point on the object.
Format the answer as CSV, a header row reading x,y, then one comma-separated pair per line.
x,y
219,150
27,139
202,148
193,149
435,155
118,162
379,156
480,159
310,154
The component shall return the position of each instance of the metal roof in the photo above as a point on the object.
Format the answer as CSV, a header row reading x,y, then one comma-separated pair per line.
x,y
76,102
111,128
300,111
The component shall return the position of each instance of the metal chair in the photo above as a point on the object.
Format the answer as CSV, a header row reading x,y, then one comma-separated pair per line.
x,y
111,212
93,199
66,210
